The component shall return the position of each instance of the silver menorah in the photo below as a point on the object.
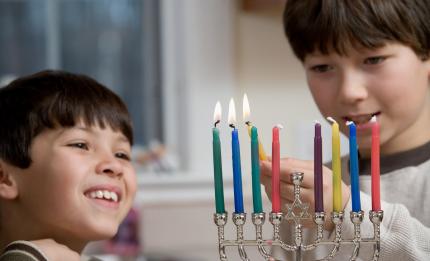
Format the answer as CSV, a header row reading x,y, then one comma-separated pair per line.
x,y
297,212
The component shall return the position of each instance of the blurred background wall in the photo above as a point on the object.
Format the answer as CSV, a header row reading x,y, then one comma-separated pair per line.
x,y
171,61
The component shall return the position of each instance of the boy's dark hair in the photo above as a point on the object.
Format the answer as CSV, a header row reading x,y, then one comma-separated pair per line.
x,y
51,99
336,25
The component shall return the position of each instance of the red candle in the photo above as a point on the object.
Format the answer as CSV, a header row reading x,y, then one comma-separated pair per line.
x,y
276,200
376,194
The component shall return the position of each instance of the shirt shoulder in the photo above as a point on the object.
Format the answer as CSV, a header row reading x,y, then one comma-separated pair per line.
x,y
22,251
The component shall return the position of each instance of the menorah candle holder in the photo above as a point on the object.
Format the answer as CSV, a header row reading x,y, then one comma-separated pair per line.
x,y
297,212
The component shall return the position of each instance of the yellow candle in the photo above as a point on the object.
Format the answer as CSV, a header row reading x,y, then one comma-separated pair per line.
x,y
246,116
335,166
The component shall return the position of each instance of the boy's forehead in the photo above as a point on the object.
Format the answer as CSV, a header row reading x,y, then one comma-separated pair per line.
x,y
91,129
348,50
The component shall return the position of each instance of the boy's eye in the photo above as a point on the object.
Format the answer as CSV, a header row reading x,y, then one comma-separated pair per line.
x,y
79,145
321,68
122,155
374,60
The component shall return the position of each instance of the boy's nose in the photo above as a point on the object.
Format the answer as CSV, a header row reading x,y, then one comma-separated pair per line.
x,y
352,88
110,166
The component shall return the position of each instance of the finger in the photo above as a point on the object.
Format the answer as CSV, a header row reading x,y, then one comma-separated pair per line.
x,y
287,192
266,168
291,165
306,195
266,181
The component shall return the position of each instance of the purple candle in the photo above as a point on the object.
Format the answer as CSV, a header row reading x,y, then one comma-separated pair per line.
x,y
318,179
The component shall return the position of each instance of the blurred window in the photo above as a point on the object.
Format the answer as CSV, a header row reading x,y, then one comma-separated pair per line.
x,y
116,42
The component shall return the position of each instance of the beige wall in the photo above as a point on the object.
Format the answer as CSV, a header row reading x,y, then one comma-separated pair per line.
x,y
275,83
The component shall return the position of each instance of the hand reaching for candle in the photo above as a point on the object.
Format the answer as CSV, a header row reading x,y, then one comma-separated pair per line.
x,y
289,166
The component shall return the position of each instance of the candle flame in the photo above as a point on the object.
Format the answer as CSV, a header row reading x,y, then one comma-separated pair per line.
x,y
231,113
217,113
246,109
373,119
330,119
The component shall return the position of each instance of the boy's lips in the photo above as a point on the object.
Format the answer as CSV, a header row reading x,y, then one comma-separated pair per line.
x,y
361,119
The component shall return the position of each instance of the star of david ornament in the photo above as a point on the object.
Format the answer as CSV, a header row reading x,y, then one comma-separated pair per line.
x,y
297,211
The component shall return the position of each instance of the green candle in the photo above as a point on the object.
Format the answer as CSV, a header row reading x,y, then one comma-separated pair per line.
x,y
219,190
255,160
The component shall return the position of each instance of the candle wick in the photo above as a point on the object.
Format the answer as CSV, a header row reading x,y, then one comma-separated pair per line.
x,y
248,123
216,123
232,126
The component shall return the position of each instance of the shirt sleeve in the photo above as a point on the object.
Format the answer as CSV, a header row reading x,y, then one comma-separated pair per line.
x,y
22,251
403,237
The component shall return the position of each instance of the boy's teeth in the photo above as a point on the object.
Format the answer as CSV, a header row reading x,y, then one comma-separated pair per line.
x,y
114,196
99,194
104,194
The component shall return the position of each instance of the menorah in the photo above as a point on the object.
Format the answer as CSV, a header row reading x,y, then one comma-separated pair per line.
x,y
297,212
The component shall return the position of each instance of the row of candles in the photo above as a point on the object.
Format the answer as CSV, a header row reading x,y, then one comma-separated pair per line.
x,y
257,154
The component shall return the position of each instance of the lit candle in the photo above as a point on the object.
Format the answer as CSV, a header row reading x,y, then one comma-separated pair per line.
x,y
216,149
237,172
335,166
276,199
318,178
256,187
246,116
376,194
353,167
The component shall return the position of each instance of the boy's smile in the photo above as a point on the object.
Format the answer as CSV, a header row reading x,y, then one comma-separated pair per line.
x,y
390,82
88,169
105,195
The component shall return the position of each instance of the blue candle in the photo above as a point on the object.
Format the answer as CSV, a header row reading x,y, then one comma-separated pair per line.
x,y
237,172
353,168
235,148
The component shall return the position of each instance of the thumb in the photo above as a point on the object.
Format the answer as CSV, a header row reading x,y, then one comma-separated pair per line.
x,y
266,168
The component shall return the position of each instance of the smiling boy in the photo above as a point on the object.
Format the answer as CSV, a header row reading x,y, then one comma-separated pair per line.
x,y
362,59
65,172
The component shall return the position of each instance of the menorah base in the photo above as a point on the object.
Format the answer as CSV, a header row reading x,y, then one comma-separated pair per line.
x,y
298,247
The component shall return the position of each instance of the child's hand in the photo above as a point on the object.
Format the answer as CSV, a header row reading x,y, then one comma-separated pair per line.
x,y
55,251
289,166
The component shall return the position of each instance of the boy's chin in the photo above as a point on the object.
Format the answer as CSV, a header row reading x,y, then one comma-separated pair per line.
x,y
102,232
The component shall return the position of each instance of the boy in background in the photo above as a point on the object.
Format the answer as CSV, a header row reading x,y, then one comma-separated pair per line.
x,y
367,59
65,172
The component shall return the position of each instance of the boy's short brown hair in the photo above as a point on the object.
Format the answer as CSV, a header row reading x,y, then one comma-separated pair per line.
x,y
51,99
336,25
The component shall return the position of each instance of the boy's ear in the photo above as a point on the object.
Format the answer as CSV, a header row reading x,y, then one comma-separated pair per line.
x,y
8,185
426,59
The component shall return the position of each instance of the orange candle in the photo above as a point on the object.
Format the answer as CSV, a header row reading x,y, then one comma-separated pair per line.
x,y
375,172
